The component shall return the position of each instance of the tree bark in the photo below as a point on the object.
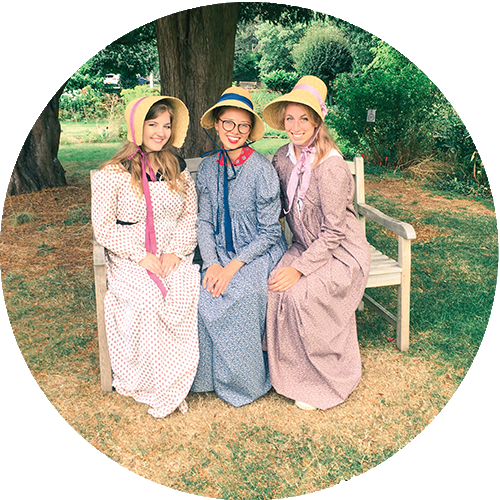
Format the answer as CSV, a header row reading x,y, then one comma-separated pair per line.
x,y
196,53
37,166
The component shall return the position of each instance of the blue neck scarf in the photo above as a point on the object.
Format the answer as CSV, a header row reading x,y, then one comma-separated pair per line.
x,y
223,157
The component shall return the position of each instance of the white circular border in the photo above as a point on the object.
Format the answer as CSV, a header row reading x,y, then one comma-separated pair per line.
x,y
455,45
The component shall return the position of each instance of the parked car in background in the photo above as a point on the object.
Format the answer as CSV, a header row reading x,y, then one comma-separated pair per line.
x,y
112,79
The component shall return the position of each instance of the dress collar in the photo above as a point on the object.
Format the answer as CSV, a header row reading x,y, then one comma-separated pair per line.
x,y
291,154
246,152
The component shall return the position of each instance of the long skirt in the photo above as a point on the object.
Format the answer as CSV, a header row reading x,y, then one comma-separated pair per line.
x,y
153,341
231,327
311,336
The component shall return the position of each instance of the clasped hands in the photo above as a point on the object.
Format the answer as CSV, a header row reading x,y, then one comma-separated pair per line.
x,y
163,266
217,278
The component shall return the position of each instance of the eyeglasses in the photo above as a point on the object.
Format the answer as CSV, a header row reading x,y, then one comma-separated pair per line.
x,y
243,128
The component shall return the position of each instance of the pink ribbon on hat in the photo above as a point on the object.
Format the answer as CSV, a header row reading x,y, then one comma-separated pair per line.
x,y
303,165
150,240
315,93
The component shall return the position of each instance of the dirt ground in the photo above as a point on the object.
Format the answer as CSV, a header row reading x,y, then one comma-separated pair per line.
x,y
393,391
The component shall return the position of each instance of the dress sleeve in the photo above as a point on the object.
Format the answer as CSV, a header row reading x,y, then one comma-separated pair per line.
x,y
205,223
105,192
334,187
268,208
183,241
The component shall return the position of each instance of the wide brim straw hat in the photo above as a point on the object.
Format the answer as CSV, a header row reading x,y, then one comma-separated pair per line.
x,y
136,111
235,97
309,91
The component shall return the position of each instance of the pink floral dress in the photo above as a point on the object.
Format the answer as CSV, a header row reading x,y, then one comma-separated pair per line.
x,y
153,341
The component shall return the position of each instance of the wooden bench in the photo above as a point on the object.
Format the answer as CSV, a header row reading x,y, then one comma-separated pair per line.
x,y
384,271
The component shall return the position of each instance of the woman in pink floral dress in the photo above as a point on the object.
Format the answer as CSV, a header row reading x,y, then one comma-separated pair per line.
x,y
144,213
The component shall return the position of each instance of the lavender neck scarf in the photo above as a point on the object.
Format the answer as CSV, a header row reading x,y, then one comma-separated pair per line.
x,y
301,174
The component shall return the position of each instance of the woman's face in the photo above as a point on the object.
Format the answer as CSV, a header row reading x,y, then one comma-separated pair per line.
x,y
156,132
234,126
298,124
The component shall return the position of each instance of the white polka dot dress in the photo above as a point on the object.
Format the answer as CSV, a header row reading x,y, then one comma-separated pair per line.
x,y
153,341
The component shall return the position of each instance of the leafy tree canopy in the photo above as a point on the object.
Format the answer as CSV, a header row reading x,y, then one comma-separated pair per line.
x,y
323,52
133,54
275,13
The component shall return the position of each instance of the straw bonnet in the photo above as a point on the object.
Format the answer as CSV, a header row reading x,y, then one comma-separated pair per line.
x,y
136,111
235,97
309,90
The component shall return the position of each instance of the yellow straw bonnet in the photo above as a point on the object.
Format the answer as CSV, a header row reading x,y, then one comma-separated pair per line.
x,y
309,91
136,111
235,97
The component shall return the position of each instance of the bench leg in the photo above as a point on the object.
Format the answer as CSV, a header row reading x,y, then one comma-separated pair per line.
x,y
104,361
403,318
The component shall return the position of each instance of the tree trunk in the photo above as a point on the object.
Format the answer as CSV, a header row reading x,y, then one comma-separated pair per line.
x,y
37,166
196,53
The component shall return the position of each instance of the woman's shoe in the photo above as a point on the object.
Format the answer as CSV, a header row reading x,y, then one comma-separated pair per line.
x,y
304,406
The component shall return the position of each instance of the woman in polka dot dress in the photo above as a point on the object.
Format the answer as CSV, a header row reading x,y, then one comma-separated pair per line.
x,y
144,208
241,240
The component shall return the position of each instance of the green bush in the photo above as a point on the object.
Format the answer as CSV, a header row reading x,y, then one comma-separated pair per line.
x,y
128,95
280,80
454,144
407,106
323,52
82,104
275,46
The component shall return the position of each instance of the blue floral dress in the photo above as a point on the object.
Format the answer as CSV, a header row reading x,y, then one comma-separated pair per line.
x,y
231,327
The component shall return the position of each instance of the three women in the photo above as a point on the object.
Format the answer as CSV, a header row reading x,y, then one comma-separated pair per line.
x,y
311,295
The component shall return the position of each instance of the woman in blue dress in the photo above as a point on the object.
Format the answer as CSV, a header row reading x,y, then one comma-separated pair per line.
x,y
241,240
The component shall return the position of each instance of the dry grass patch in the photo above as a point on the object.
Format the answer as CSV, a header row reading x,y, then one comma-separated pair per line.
x,y
410,193
269,449
213,443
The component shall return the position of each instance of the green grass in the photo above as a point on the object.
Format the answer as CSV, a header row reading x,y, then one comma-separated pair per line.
x,y
55,309
85,131
453,284
78,159
269,145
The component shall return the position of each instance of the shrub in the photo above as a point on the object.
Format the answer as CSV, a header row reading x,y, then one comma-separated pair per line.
x,y
323,52
128,95
407,108
260,99
275,46
280,80
82,104
454,144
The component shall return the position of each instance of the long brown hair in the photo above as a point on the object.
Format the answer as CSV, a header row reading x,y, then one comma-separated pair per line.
x,y
324,142
168,164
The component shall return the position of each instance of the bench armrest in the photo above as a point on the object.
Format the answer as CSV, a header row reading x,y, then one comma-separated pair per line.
x,y
400,228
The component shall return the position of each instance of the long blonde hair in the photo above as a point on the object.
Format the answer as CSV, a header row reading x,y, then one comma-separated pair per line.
x,y
168,165
323,142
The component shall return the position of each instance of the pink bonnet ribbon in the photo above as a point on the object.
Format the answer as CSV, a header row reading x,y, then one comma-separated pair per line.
x,y
150,241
